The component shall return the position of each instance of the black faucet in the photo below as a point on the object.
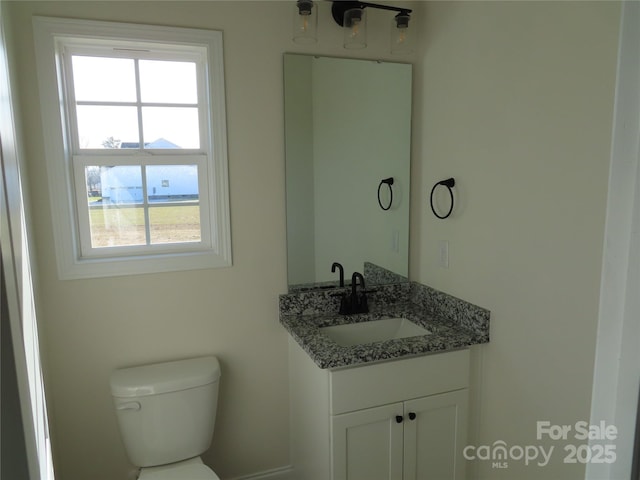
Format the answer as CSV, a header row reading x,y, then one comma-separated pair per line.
x,y
339,267
356,303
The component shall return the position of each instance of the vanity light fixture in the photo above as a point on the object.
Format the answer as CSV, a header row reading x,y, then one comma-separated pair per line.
x,y
401,35
305,22
355,28
351,15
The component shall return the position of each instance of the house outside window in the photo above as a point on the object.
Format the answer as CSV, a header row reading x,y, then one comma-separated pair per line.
x,y
134,122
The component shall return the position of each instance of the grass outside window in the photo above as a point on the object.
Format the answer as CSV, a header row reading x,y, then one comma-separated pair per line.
x,y
126,225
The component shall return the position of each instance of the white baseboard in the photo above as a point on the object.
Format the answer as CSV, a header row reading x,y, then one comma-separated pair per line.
x,y
281,473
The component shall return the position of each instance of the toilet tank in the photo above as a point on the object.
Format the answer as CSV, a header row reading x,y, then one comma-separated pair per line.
x,y
166,411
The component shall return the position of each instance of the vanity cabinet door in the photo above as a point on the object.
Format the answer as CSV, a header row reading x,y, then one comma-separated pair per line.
x,y
435,433
367,444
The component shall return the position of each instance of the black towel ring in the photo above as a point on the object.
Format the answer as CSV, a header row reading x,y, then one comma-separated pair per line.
x,y
449,183
389,182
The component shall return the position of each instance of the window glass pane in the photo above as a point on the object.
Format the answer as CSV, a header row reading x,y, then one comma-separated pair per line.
x,y
168,82
113,226
174,214
170,127
174,223
104,79
114,218
121,184
107,127
171,183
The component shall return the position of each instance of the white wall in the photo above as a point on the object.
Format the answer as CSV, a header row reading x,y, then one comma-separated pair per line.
x,y
91,327
516,103
513,99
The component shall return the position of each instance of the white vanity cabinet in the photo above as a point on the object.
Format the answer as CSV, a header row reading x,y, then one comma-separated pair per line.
x,y
404,419
412,440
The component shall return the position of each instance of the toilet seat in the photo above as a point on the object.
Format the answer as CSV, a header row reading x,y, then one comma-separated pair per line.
x,y
179,471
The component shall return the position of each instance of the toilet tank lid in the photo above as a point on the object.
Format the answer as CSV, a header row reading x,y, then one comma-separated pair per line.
x,y
164,377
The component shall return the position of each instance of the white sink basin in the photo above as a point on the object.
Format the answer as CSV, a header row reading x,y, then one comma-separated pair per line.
x,y
373,331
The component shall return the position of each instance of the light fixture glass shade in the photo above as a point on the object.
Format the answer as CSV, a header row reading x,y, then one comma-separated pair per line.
x,y
402,37
355,28
305,22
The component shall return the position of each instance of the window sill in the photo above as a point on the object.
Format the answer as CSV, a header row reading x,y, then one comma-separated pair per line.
x,y
138,265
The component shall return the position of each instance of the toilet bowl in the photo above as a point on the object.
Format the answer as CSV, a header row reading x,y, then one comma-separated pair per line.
x,y
166,414
192,469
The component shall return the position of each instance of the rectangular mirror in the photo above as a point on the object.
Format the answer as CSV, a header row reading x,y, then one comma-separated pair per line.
x,y
347,146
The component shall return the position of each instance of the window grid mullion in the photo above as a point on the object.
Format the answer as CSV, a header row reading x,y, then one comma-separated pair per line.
x,y
134,104
145,205
138,104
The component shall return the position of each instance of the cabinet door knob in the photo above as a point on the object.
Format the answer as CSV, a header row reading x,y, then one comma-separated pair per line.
x,y
399,418
412,416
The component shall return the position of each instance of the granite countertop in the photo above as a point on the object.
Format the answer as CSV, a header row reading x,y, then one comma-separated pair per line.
x,y
453,324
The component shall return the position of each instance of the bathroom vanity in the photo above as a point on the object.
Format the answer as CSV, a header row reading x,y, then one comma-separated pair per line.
x,y
392,420
389,409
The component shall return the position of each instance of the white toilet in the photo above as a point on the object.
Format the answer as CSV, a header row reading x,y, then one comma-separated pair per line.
x,y
166,414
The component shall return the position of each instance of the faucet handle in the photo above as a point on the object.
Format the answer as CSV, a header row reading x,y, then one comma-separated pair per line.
x,y
345,305
363,307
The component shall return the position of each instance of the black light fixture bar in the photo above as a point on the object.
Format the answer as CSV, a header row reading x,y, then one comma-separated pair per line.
x,y
339,7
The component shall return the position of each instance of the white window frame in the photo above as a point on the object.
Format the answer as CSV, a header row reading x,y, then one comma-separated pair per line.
x,y
65,161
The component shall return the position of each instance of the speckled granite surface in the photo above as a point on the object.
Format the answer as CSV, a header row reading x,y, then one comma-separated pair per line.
x,y
377,275
374,274
453,323
303,287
